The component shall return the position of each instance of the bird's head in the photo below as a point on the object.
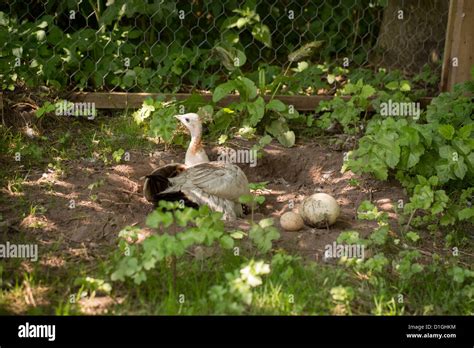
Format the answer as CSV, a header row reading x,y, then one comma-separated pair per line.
x,y
192,122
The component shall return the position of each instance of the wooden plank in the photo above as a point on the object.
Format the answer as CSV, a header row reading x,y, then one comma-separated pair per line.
x,y
122,100
459,47
1,107
448,43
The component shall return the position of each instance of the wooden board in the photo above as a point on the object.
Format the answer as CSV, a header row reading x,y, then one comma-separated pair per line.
x,y
459,44
1,107
122,100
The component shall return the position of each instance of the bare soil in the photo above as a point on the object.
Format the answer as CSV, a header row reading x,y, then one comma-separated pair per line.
x,y
70,212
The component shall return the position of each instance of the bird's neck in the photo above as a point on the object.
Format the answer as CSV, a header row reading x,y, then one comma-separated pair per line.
x,y
196,153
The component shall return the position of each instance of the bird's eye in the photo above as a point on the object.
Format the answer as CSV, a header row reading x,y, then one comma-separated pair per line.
x,y
186,119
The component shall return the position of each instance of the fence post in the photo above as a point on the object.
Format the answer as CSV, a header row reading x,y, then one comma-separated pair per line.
x,y
459,45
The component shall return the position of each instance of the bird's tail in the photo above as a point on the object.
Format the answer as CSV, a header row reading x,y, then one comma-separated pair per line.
x,y
158,181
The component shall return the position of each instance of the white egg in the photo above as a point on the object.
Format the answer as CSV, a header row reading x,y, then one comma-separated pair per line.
x,y
291,221
319,209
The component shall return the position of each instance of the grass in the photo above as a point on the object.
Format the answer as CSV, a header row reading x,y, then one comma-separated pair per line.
x,y
307,289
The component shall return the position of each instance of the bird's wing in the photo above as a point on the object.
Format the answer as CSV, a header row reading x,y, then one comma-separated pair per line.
x,y
220,179
230,209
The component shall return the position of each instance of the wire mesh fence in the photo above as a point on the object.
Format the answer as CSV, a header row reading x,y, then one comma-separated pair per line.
x,y
180,46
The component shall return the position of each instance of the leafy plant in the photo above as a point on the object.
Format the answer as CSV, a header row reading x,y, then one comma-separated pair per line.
x,y
346,113
235,296
202,227
251,109
263,234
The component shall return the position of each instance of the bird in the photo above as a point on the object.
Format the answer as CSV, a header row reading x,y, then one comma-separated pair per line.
x,y
198,181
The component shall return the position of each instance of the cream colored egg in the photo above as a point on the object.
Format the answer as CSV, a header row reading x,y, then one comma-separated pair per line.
x,y
291,221
319,209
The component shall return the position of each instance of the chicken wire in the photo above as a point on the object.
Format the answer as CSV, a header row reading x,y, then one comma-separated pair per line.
x,y
172,46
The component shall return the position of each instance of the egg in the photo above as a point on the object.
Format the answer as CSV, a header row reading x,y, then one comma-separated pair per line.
x,y
291,221
319,209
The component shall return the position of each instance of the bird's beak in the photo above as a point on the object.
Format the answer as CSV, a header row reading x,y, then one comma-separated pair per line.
x,y
178,117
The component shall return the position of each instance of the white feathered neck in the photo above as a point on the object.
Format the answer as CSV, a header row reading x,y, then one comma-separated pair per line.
x,y
195,153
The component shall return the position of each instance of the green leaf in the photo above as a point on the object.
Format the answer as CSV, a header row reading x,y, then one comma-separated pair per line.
x,y
287,138
414,155
222,139
246,199
265,140
446,152
460,168
248,87
405,86
261,33
206,112
447,131
231,57
414,237
157,217
466,214
465,132
256,111
393,85
379,235
184,216
392,156
260,199
223,90
226,242
367,91
276,105
264,223
237,235
331,78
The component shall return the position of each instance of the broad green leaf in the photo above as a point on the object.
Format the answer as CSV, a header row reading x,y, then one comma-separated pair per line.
x,y
393,85
226,242
246,199
248,87
405,86
287,138
237,235
414,155
466,213
446,152
256,111
265,140
223,90
446,130
367,91
460,168
276,105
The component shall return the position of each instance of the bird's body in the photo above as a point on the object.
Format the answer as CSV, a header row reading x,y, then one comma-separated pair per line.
x,y
216,184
